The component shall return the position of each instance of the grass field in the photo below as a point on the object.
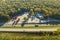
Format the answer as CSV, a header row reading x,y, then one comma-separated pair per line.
x,y
30,26
23,36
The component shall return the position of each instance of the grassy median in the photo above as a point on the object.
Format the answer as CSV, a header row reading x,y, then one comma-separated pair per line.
x,y
53,26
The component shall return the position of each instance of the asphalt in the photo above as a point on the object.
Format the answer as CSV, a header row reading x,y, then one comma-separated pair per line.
x,y
26,30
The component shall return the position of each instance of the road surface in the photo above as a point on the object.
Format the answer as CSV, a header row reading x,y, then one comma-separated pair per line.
x,y
26,30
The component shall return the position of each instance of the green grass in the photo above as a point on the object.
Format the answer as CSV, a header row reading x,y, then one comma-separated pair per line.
x,y
28,36
30,27
22,36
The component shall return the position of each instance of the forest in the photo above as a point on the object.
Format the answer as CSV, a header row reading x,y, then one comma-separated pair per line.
x,y
10,8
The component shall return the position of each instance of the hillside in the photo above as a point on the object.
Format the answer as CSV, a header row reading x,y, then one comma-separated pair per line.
x,y
10,8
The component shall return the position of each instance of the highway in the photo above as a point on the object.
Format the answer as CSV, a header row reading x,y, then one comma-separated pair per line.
x,y
26,30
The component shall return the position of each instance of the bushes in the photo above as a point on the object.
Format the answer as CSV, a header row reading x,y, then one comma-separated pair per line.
x,y
56,16
4,18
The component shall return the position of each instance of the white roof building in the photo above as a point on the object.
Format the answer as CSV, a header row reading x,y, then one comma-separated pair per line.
x,y
33,20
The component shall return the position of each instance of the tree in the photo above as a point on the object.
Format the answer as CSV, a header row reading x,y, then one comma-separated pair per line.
x,y
32,12
37,9
4,17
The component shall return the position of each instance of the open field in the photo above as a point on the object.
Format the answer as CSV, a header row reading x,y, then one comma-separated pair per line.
x,y
24,36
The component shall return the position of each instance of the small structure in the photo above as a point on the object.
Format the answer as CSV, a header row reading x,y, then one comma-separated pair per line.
x,y
33,20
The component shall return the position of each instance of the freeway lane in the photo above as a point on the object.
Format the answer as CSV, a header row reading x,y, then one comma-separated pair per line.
x,y
26,30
